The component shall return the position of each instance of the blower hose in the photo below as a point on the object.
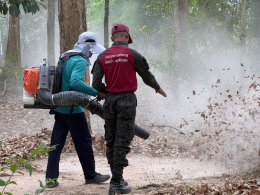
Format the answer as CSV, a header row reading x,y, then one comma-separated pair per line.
x,y
68,98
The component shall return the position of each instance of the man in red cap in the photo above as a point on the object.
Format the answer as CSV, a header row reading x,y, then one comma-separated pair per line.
x,y
119,65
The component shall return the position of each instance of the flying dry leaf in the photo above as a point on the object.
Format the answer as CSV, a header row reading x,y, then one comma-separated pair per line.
x,y
252,85
210,107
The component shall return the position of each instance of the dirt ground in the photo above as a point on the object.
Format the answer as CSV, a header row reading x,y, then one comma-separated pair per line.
x,y
142,171
211,151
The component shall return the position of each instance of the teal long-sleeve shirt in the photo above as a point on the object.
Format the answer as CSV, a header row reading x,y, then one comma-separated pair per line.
x,y
73,74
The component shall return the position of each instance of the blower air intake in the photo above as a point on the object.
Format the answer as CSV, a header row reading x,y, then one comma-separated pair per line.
x,y
40,92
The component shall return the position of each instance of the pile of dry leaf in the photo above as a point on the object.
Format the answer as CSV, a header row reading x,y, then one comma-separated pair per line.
x,y
21,145
228,186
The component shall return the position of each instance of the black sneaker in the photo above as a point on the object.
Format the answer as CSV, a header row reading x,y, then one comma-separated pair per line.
x,y
51,183
97,179
118,188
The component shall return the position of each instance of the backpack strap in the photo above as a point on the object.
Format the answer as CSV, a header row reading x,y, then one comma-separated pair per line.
x,y
62,60
59,68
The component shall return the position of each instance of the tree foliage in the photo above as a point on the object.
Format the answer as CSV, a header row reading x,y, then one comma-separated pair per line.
x,y
13,7
149,18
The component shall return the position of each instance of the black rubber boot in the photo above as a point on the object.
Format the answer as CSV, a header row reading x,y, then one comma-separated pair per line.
x,y
124,182
118,188
117,182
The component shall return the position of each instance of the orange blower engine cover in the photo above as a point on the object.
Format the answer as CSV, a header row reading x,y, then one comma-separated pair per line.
x,y
31,76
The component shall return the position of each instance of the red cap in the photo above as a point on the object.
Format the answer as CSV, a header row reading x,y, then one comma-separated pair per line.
x,y
121,28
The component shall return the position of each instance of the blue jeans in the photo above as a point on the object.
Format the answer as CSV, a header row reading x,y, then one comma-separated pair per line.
x,y
77,125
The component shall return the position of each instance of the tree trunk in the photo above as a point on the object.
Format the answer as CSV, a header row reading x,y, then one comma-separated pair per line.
x,y
243,25
1,45
72,19
86,11
242,37
182,65
255,37
51,32
13,50
182,38
106,18
256,28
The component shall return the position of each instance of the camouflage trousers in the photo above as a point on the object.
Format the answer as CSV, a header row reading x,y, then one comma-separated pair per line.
x,y
119,114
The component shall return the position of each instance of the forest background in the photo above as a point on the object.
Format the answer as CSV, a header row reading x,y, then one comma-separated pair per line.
x,y
205,54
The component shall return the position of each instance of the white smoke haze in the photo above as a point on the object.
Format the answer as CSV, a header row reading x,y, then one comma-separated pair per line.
x,y
219,111
34,41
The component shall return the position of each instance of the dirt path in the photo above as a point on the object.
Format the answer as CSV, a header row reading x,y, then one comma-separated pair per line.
x,y
142,171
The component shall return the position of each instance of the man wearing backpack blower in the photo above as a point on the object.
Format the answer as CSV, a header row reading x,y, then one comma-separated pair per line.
x,y
72,118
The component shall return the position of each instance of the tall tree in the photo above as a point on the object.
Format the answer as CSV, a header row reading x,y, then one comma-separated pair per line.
x,y
1,44
13,50
243,25
86,11
256,25
182,54
72,19
51,32
242,36
106,19
182,36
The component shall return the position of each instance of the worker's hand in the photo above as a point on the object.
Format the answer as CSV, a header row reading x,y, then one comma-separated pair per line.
x,y
100,96
160,91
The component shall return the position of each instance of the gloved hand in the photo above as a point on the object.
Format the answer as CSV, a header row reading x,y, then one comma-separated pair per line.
x,y
160,91
100,96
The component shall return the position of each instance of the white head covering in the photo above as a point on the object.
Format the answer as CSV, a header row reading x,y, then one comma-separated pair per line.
x,y
87,43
